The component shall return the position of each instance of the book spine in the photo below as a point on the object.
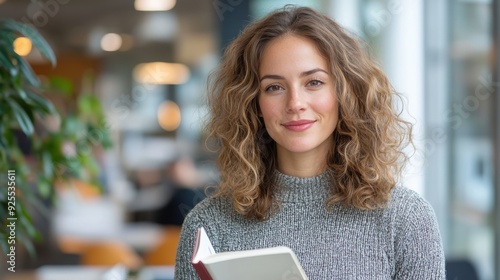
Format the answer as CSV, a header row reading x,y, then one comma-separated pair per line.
x,y
202,271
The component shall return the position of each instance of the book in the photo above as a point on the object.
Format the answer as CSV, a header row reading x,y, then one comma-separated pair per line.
x,y
264,264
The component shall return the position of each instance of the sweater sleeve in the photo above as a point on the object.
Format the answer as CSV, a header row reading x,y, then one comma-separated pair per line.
x,y
419,251
184,270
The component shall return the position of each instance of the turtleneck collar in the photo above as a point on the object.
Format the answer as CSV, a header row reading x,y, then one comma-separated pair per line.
x,y
296,189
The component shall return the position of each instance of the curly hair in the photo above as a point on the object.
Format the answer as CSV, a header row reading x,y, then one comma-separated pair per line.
x,y
367,155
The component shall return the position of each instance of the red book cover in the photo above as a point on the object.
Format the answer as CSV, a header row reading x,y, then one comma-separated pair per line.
x,y
202,271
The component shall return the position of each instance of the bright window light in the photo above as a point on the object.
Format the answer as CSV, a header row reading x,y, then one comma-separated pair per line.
x,y
161,73
111,42
154,5
169,115
22,46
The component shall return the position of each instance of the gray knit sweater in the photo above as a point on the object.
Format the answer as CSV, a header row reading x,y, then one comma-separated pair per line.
x,y
401,241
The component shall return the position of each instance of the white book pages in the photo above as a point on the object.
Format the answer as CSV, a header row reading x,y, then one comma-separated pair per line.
x,y
263,264
203,246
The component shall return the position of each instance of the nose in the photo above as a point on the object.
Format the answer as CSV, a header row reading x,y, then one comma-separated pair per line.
x,y
296,102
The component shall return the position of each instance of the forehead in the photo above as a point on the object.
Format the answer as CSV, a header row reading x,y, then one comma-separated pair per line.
x,y
291,53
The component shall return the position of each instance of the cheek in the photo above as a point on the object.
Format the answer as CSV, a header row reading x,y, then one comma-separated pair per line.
x,y
328,106
267,109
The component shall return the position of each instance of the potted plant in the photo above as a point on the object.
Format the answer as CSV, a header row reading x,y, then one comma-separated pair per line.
x,y
35,157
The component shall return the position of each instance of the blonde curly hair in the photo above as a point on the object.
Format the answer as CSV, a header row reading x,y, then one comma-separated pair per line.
x,y
366,157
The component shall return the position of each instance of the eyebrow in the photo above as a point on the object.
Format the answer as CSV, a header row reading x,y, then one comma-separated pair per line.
x,y
303,74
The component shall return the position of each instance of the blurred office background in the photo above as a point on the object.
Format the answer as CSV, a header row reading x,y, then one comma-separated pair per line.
x,y
150,66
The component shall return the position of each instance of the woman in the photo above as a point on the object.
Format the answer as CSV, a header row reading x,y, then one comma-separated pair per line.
x,y
310,152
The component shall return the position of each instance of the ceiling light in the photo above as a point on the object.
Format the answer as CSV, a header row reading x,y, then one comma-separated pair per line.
x,y
154,5
161,73
169,115
111,42
22,46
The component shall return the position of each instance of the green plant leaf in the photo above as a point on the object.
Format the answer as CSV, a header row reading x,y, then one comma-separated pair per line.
x,y
44,188
3,200
63,85
35,37
74,167
27,231
40,103
3,242
7,42
27,72
3,141
9,138
6,63
89,105
3,107
89,164
72,128
22,117
6,33
48,167
22,93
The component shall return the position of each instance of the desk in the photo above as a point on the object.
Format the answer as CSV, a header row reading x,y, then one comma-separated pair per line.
x,y
65,272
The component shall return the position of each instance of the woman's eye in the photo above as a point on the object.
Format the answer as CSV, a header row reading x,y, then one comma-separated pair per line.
x,y
273,88
315,83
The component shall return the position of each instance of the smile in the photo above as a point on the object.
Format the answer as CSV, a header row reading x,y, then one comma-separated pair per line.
x,y
299,125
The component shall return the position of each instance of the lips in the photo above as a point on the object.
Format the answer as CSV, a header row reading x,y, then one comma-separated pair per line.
x,y
299,125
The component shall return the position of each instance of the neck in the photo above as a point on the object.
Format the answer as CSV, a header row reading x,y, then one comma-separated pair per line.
x,y
301,164
294,189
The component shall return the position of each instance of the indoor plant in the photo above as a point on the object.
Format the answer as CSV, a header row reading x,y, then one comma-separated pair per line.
x,y
33,157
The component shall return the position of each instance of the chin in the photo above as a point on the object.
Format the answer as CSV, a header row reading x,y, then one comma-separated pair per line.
x,y
304,145
298,147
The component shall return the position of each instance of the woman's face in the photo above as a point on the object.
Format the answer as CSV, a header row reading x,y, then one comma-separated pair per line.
x,y
297,97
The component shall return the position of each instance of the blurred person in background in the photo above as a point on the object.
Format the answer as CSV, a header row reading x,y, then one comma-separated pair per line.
x,y
310,153
188,184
